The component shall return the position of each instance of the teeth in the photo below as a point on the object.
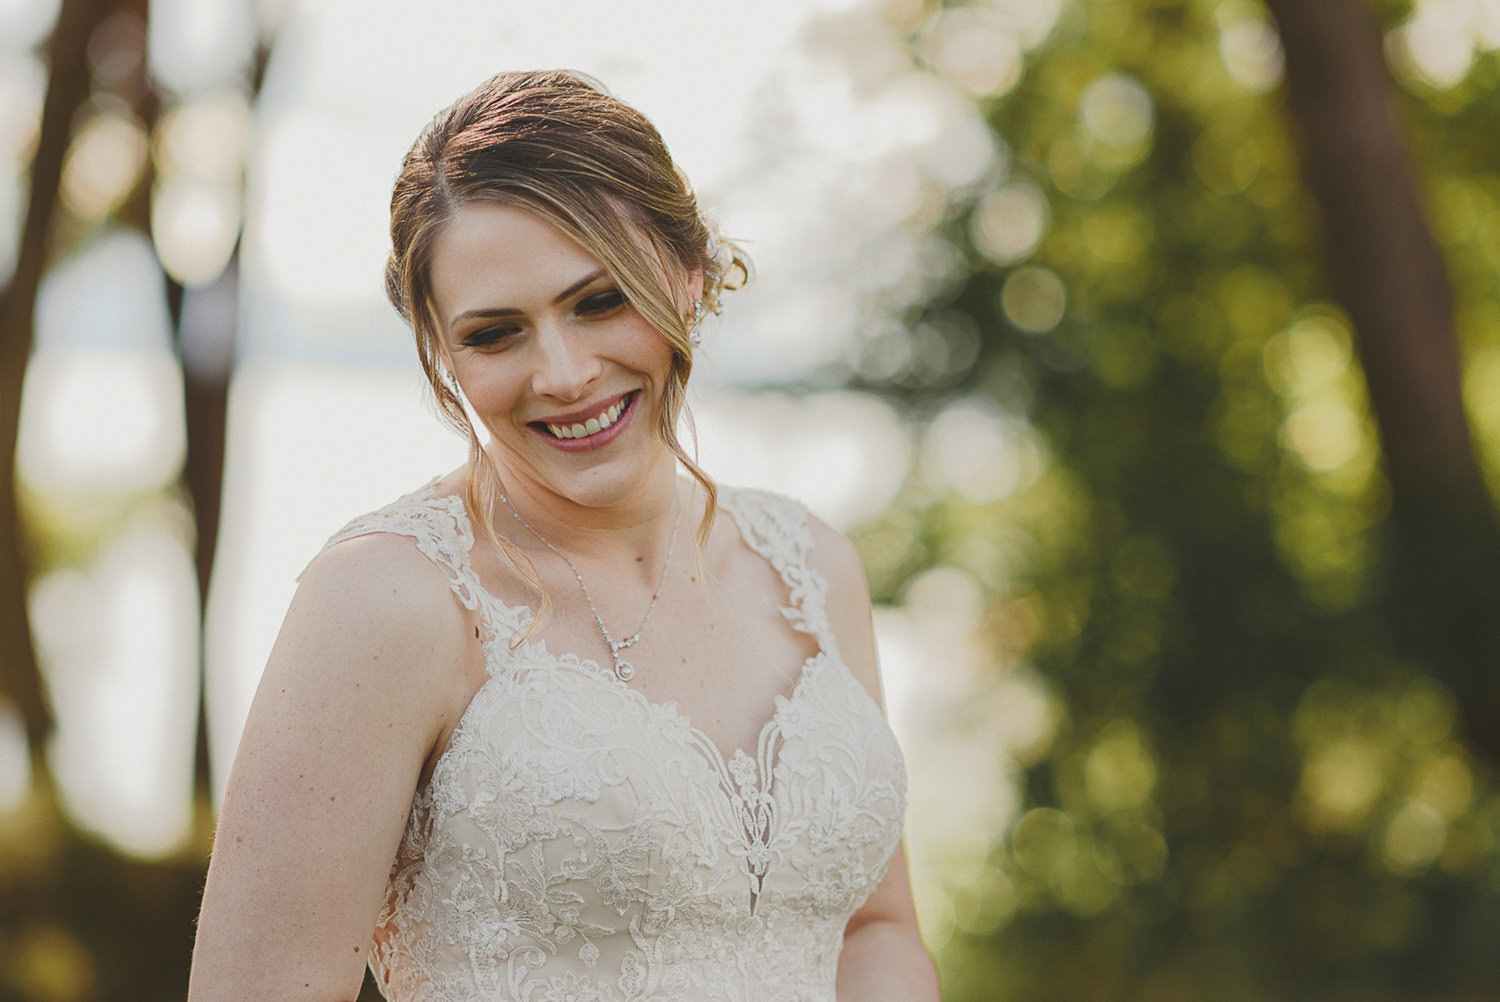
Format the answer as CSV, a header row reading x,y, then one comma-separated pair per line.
x,y
592,426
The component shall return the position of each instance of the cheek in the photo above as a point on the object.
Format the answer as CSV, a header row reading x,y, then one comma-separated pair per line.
x,y
651,352
488,391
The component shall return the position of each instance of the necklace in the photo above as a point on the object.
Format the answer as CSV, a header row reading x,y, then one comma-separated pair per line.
x,y
624,670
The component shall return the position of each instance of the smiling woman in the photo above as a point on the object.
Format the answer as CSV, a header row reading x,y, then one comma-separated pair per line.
x,y
481,800
541,339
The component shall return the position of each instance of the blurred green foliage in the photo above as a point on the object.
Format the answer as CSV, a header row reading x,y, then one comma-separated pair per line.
x,y
1251,792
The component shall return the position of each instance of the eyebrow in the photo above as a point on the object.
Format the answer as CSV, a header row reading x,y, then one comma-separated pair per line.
x,y
491,312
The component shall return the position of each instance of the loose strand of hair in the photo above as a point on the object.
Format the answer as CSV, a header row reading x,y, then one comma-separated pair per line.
x,y
482,489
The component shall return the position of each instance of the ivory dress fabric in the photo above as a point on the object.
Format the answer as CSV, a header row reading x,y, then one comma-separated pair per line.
x,y
579,843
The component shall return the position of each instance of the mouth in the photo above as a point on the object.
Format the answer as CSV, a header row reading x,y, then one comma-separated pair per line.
x,y
597,429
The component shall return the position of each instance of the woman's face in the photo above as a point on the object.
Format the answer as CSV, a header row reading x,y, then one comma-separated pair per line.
x,y
564,373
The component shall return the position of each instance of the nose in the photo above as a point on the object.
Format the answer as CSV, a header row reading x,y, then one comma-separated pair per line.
x,y
565,366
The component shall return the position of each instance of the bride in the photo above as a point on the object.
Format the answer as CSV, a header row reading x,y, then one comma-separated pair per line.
x,y
565,725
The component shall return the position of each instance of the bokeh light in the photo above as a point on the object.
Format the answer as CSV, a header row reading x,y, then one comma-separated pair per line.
x,y
120,643
102,411
1249,45
977,451
1435,46
1034,299
103,164
1008,224
1032,20
1117,111
195,225
200,45
975,48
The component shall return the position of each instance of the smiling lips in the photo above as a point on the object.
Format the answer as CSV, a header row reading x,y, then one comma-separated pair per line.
x,y
592,426
596,430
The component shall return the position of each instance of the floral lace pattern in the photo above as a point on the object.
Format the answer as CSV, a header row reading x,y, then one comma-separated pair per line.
x,y
579,843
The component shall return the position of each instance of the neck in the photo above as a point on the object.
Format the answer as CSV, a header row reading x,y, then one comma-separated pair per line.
x,y
632,530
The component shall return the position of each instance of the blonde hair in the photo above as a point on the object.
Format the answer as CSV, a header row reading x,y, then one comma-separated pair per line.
x,y
557,145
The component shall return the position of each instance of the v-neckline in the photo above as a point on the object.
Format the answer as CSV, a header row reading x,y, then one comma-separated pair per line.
x,y
538,656
749,797
792,610
745,776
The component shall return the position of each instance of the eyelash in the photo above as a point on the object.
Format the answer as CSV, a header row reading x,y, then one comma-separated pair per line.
x,y
594,307
489,337
602,302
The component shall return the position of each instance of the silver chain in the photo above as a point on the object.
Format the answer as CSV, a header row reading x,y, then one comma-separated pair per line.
x,y
624,670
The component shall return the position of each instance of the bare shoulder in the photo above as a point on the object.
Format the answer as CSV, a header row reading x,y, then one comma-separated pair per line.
x,y
376,587
370,622
848,603
373,614
836,558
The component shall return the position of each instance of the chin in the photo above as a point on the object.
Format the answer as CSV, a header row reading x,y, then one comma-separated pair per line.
x,y
601,485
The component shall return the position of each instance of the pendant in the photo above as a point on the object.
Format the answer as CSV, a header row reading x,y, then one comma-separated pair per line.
x,y
624,670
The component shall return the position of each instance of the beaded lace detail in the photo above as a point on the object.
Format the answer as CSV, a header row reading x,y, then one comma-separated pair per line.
x,y
578,842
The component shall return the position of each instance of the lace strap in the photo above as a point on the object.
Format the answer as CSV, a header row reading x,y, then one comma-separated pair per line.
x,y
440,527
775,527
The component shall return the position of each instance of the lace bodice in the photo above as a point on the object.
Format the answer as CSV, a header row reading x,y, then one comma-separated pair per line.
x,y
577,842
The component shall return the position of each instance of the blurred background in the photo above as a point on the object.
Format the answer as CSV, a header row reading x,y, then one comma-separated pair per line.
x,y
1149,350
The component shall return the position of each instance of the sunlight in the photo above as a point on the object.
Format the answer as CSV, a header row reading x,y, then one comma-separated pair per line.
x,y
1249,45
197,45
1009,224
103,164
974,48
101,421
120,644
1034,299
843,454
24,23
1033,20
195,224
1435,46
983,455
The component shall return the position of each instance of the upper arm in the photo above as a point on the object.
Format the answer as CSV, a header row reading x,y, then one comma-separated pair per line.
x,y
358,689
848,604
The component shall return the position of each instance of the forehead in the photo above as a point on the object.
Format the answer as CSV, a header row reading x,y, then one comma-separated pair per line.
x,y
490,252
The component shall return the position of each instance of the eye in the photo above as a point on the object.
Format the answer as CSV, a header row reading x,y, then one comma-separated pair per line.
x,y
489,337
601,303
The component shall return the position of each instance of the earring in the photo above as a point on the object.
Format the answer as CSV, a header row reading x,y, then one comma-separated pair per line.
x,y
452,382
695,331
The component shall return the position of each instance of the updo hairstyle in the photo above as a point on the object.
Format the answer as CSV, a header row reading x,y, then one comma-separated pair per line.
x,y
556,145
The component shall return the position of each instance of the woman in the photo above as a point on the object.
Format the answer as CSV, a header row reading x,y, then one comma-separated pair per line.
x,y
672,781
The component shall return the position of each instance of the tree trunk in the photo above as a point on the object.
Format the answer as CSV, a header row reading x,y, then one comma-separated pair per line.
x,y
1386,268
205,342
67,88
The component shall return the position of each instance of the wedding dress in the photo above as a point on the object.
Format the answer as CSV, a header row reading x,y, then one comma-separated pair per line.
x,y
578,842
